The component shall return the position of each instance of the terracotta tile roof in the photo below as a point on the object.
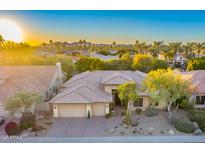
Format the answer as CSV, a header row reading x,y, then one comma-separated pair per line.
x,y
89,86
197,79
31,78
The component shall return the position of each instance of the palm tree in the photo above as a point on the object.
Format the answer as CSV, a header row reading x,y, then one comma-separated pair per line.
x,y
1,40
51,41
136,45
176,46
158,45
142,47
199,47
186,48
191,46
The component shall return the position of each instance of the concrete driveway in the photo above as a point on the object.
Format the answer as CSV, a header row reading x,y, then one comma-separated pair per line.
x,y
78,127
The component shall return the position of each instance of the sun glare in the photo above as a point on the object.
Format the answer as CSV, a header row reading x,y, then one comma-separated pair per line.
x,y
10,31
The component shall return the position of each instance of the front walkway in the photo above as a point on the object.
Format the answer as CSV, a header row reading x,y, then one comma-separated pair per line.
x,y
125,139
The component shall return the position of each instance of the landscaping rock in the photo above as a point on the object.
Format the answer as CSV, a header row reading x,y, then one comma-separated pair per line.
x,y
198,131
39,117
48,122
170,131
111,131
122,133
150,133
26,132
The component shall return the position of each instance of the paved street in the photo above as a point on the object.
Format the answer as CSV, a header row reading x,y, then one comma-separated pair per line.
x,y
125,139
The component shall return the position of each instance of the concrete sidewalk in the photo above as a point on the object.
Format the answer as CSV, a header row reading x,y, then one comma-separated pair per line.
x,y
125,139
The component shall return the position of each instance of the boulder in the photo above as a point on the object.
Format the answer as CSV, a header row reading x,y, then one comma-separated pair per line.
x,y
170,131
198,131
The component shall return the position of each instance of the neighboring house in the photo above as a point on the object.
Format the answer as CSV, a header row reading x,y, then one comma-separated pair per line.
x,y
178,58
197,89
94,93
161,57
103,57
41,79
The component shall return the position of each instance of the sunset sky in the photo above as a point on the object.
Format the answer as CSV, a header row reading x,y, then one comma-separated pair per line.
x,y
108,26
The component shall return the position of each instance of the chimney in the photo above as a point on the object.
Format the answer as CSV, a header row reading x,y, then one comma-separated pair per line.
x,y
59,71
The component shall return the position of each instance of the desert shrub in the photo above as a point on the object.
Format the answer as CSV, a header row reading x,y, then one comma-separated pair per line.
x,y
198,117
135,123
37,128
183,125
138,111
11,128
108,115
27,120
151,111
122,113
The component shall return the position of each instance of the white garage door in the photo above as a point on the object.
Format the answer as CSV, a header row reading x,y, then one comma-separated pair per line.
x,y
72,110
98,109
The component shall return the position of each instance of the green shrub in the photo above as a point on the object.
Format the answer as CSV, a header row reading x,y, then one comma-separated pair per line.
x,y
151,111
188,106
198,117
183,125
122,113
108,115
37,128
11,128
27,121
138,111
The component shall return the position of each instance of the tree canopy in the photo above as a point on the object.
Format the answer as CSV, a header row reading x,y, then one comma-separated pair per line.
x,y
22,102
127,92
166,86
142,62
196,64
89,64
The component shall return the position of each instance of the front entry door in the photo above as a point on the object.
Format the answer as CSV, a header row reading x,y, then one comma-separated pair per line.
x,y
116,99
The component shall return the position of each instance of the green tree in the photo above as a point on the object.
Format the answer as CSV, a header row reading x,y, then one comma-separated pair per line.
x,y
127,93
1,40
199,47
142,62
159,64
22,102
196,64
165,87
89,64
158,45
176,47
66,63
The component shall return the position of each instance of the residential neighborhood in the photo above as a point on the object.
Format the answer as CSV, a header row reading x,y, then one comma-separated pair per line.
x,y
63,89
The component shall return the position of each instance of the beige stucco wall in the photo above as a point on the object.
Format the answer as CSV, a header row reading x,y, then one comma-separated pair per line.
x,y
145,104
108,88
99,109
72,110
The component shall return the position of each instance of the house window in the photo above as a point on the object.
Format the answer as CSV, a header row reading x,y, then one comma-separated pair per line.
x,y
200,100
138,102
